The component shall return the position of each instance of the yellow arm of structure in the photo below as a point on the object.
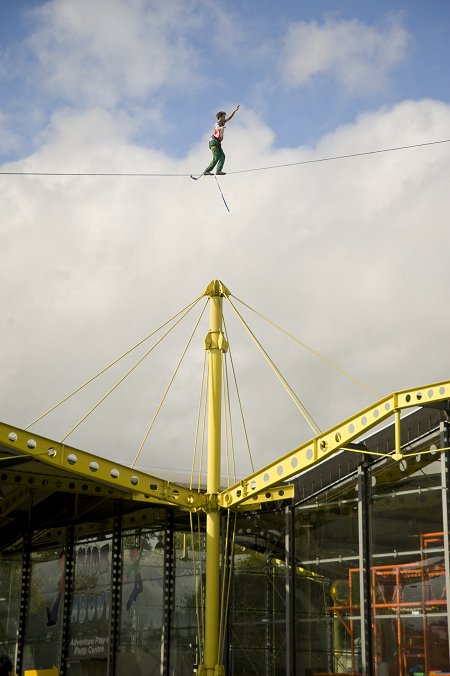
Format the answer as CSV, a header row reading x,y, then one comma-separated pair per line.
x,y
283,492
139,485
335,439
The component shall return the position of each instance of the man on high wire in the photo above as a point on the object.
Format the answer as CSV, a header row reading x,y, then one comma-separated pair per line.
x,y
215,143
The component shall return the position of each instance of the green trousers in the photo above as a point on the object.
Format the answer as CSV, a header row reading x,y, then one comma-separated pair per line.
x,y
217,158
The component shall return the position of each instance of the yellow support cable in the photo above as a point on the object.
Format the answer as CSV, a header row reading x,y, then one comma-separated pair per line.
x,y
305,413
240,402
228,401
358,381
205,420
202,595
120,381
223,587
197,426
229,579
168,387
225,414
115,361
197,604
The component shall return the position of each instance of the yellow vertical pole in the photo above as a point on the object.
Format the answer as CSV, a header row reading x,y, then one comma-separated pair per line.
x,y
397,435
216,345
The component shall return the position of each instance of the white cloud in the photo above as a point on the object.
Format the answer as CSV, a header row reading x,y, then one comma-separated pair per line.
x,y
350,256
359,56
127,48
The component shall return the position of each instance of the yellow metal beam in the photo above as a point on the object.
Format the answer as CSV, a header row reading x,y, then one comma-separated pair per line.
x,y
139,485
331,441
283,492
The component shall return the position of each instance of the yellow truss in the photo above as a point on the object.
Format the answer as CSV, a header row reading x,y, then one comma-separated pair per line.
x,y
261,486
334,440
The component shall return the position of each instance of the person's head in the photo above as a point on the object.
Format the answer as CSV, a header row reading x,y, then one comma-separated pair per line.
x,y
221,115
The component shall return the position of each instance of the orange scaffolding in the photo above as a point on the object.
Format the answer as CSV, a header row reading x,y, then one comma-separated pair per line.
x,y
390,585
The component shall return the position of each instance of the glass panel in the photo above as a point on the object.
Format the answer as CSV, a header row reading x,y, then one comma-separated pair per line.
x,y
184,648
10,583
409,596
258,604
43,628
142,602
91,608
328,625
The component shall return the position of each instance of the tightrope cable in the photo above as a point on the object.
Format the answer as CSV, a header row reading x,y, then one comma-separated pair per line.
x,y
133,174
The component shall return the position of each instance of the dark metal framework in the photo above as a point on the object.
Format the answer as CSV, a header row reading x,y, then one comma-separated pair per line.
x,y
169,589
24,597
116,587
364,568
68,595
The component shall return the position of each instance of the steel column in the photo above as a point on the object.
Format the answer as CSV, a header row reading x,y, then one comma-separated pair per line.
x,y
215,344
24,597
168,594
289,540
67,598
445,468
116,588
364,571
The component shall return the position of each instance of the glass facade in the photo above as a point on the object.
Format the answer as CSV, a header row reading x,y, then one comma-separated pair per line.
x,y
141,603
352,579
10,584
43,626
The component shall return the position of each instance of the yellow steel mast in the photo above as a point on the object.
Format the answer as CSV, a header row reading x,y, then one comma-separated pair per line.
x,y
216,345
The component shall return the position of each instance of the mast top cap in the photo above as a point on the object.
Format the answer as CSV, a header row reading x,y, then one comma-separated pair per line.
x,y
216,288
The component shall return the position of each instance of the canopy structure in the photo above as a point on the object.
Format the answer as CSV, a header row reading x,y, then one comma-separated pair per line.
x,y
32,467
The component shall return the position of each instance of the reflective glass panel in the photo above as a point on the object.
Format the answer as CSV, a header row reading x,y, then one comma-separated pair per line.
x,y
328,623
142,602
10,583
409,595
88,650
43,627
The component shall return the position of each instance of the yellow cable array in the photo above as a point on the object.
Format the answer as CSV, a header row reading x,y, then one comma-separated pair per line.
x,y
389,455
307,416
119,382
227,403
239,398
115,361
205,418
197,604
168,386
202,596
197,426
225,413
226,598
312,350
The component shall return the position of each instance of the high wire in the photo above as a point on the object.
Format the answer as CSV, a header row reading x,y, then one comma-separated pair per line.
x,y
238,171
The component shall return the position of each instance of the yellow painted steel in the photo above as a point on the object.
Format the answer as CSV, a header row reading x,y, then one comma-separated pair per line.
x,y
134,484
99,476
333,440
216,345
283,492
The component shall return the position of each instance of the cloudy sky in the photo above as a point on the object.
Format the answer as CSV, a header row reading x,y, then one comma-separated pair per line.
x,y
350,255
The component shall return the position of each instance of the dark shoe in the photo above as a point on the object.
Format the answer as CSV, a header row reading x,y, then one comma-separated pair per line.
x,y
207,173
221,173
